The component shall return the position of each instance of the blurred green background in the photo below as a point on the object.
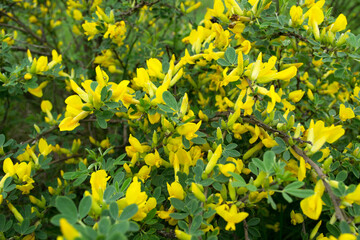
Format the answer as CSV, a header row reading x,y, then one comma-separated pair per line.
x,y
350,8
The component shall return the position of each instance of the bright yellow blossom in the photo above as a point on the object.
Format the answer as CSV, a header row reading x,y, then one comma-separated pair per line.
x,y
231,215
345,113
68,231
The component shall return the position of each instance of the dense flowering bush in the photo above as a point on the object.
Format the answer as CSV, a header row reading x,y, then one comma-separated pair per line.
x,y
145,119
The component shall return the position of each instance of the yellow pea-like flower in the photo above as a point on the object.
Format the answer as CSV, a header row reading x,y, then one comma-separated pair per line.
x,y
175,190
231,215
345,113
67,230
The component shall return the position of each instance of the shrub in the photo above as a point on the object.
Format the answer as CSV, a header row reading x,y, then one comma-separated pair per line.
x,y
147,120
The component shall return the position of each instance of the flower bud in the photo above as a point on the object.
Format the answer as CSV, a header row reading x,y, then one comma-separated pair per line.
x,y
195,188
213,160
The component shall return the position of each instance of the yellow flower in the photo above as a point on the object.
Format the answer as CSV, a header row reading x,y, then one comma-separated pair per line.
x,y
182,235
296,14
347,236
16,213
318,134
316,17
74,113
296,218
134,195
144,173
188,130
315,230
353,197
44,147
266,72
231,216
296,96
312,206
213,160
56,58
77,15
226,168
155,68
339,24
346,113
195,189
135,147
302,169
274,98
90,29
153,159
67,230
98,182
175,190
37,92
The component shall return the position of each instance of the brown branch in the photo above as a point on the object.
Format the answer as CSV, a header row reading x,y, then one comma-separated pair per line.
x,y
334,199
25,28
32,51
64,159
11,26
40,135
137,7
246,233
165,234
253,120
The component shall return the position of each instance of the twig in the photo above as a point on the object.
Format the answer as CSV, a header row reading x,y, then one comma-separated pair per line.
x,y
25,28
64,159
170,234
7,107
40,135
334,199
246,233
32,51
137,7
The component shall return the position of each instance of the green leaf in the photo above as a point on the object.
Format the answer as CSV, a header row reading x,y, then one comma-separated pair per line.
x,y
198,140
251,188
103,94
179,216
333,230
344,227
222,62
102,122
129,211
260,164
109,191
300,193
170,100
341,176
66,206
294,185
165,108
93,85
197,220
84,206
253,222
80,180
271,201
178,204
287,197
269,160
104,225
230,55
114,210
125,185
2,139
239,179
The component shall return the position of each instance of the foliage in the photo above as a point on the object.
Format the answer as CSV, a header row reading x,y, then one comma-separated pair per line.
x,y
145,120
